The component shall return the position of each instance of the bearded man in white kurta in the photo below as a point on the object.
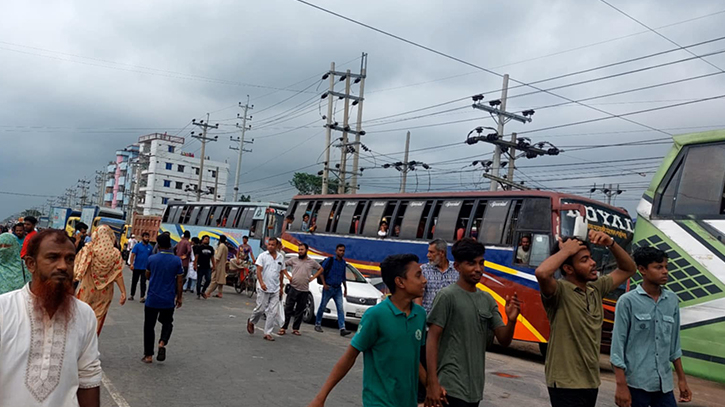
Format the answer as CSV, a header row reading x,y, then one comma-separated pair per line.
x,y
48,344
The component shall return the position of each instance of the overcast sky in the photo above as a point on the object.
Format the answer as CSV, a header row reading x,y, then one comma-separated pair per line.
x,y
82,79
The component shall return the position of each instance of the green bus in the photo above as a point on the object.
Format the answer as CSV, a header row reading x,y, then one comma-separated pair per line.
x,y
683,213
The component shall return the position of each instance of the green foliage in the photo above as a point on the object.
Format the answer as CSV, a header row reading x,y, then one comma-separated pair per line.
x,y
32,212
245,198
310,184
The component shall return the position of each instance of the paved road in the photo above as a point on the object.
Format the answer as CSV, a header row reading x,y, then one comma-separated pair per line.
x,y
212,361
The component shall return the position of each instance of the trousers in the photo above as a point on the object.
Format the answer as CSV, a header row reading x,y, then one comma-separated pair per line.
x,y
641,398
204,275
166,317
334,293
295,306
573,397
267,304
138,275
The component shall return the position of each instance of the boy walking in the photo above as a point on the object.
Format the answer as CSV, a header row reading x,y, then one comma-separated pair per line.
x,y
646,338
390,335
574,307
166,280
460,323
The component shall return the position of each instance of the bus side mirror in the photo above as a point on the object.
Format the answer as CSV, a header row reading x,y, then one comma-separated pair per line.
x,y
581,227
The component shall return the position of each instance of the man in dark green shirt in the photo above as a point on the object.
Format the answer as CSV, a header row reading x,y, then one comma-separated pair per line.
x,y
390,336
574,307
461,321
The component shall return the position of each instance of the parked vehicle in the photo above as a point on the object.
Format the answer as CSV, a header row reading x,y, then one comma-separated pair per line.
x,y
361,296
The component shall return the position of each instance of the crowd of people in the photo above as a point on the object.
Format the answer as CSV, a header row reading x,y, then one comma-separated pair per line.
x,y
423,345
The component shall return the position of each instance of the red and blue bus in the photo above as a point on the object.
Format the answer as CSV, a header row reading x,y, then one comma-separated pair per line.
x,y
497,219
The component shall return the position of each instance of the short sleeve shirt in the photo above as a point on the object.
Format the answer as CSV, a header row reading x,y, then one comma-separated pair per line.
x,y
468,320
204,253
142,252
437,281
271,269
390,342
575,317
302,270
164,268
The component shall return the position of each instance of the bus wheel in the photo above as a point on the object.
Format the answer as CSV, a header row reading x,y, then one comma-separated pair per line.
x,y
542,348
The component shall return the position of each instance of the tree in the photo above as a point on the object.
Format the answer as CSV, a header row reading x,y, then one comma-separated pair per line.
x,y
245,198
310,184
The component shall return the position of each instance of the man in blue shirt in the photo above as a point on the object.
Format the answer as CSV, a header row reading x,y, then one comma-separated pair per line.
x,y
335,269
646,338
166,279
139,259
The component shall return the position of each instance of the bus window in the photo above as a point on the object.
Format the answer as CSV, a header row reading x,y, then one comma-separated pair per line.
x,y
701,188
478,219
397,224
540,249
194,215
509,241
494,222
667,202
371,222
433,220
523,248
334,215
447,221
232,217
221,216
413,222
388,215
203,216
165,219
256,230
323,215
344,224
357,218
464,218
302,208
245,220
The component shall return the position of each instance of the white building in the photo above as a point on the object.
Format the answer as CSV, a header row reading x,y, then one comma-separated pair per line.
x,y
167,173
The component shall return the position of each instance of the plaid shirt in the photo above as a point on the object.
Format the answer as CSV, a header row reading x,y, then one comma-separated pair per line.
x,y
437,281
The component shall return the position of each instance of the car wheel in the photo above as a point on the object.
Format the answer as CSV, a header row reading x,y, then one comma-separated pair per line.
x,y
309,315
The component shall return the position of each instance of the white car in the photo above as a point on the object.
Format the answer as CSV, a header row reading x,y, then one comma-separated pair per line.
x,y
361,295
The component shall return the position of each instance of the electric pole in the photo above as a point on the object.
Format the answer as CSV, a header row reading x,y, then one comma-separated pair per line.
x,y
358,127
82,187
216,184
203,138
406,166
497,109
608,191
100,190
512,159
347,148
328,131
345,128
241,142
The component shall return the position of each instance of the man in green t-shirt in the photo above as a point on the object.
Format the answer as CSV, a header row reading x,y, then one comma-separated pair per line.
x,y
462,320
390,336
574,307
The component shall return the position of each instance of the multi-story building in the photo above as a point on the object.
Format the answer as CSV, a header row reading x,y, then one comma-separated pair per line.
x,y
119,177
167,173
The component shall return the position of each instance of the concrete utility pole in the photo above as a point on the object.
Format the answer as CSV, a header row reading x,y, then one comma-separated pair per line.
x,y
608,191
241,142
345,127
328,132
204,139
512,159
82,186
497,150
100,189
358,127
497,109
216,184
137,184
404,176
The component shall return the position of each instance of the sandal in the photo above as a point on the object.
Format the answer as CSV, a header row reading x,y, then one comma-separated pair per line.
x,y
147,359
297,333
250,327
269,338
282,331
218,296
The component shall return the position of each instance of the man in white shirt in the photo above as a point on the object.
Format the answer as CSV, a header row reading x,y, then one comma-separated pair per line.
x,y
48,341
269,266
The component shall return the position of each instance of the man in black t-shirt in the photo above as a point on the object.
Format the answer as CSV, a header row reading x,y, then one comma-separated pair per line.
x,y
203,263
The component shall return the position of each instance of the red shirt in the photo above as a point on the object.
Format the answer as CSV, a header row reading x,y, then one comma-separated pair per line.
x,y
25,243
183,248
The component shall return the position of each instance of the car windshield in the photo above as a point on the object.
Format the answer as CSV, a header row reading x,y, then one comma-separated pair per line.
x,y
353,275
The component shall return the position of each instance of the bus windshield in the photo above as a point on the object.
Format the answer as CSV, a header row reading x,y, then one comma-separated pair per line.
x,y
617,224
